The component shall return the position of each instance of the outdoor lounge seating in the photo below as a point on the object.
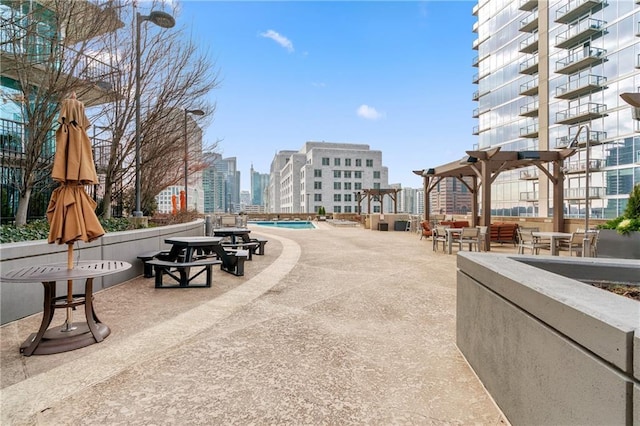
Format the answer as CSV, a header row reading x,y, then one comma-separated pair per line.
x,y
425,229
504,233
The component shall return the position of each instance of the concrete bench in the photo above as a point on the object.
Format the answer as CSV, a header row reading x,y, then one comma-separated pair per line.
x,y
167,267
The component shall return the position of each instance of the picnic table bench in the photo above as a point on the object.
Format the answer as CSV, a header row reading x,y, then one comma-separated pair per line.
x,y
183,269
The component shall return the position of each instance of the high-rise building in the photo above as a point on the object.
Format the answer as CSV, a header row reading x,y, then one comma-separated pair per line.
x,y
221,185
323,174
259,184
550,72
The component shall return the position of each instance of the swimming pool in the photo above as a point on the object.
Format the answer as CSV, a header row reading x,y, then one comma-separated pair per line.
x,y
291,224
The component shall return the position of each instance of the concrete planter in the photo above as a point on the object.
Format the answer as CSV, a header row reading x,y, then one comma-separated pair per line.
x,y
613,245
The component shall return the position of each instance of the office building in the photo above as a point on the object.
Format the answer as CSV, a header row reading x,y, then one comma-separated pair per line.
x,y
323,174
549,73
221,184
259,184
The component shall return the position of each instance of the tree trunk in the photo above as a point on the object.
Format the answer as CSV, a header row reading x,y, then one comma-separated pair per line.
x,y
106,200
23,207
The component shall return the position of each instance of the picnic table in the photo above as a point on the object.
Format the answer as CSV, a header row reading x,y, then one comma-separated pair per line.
x,y
56,339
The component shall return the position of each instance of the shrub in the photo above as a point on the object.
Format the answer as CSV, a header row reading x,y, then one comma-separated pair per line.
x,y
630,219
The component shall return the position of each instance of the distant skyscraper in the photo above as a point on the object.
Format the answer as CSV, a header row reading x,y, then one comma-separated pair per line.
x,y
221,181
546,70
259,184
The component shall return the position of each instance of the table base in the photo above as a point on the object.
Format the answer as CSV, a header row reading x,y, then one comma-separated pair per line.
x,y
55,340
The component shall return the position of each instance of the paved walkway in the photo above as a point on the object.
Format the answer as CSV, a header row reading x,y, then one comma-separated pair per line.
x,y
332,326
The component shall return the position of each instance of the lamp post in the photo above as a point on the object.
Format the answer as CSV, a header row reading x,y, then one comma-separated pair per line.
x,y
186,154
585,242
164,20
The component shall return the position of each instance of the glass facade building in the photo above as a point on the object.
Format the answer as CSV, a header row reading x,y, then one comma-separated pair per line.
x,y
549,74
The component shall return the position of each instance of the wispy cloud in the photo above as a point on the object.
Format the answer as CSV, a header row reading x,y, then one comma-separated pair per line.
x,y
278,38
369,113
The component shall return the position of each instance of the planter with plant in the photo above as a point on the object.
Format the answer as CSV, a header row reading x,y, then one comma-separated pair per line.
x,y
620,237
322,214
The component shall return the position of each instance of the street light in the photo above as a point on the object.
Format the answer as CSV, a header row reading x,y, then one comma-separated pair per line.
x,y
164,20
186,153
586,241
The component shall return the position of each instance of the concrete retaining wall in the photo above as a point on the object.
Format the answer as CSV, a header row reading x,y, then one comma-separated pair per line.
x,y
18,300
550,349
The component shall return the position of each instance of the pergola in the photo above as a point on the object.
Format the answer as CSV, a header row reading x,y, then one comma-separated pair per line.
x,y
484,167
378,194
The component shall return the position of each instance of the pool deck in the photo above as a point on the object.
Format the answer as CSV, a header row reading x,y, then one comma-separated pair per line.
x,y
335,325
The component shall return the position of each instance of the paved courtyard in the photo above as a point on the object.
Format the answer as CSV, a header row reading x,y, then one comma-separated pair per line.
x,y
339,326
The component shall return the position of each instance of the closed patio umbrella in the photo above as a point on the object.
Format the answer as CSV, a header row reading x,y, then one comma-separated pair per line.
x,y
71,212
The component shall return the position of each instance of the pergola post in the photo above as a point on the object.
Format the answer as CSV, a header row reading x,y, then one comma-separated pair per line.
x,y
485,218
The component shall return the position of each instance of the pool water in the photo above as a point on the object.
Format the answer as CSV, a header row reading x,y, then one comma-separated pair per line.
x,y
291,224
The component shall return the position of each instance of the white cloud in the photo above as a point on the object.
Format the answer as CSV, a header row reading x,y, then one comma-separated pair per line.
x,y
369,113
278,38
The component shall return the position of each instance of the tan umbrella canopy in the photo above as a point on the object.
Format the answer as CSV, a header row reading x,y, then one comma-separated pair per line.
x,y
71,212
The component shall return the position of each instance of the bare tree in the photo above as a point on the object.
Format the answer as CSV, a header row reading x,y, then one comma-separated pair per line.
x,y
45,52
175,75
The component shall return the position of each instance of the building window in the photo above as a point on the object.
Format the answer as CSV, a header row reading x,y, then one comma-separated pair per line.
x,y
369,163
336,161
347,186
357,175
337,197
317,173
336,173
358,162
347,161
337,185
317,197
347,209
325,161
336,209
357,185
376,209
347,197
347,175
317,185
376,185
376,175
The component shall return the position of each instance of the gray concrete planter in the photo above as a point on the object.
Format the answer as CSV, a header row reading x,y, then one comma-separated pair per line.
x,y
613,245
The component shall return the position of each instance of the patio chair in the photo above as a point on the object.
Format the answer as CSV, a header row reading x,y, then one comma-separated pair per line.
x,y
574,244
469,236
593,240
426,229
526,240
439,236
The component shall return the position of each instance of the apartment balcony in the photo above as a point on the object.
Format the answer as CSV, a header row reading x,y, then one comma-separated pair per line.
x,y
638,30
575,167
580,32
475,26
475,131
531,196
638,61
530,66
530,110
574,9
580,59
475,62
584,85
579,193
475,44
476,95
529,132
581,113
530,23
476,113
90,74
530,44
475,9
529,88
596,137
529,174
528,5
475,79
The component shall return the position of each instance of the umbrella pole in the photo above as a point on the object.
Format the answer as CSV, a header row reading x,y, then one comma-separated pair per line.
x,y
68,324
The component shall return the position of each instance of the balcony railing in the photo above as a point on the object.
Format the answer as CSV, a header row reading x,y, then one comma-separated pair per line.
x,y
584,85
530,131
530,23
574,9
529,88
579,193
530,44
16,41
475,61
572,167
530,110
582,31
580,59
529,196
584,112
476,113
530,66
529,174
476,130
596,137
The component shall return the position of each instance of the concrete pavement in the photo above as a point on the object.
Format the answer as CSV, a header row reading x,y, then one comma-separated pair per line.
x,y
331,326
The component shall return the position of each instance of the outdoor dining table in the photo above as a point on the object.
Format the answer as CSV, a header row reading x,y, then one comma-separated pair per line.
x,y
58,339
553,237
191,245
232,233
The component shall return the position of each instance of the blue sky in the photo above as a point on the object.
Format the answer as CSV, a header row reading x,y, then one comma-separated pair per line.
x,y
393,75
